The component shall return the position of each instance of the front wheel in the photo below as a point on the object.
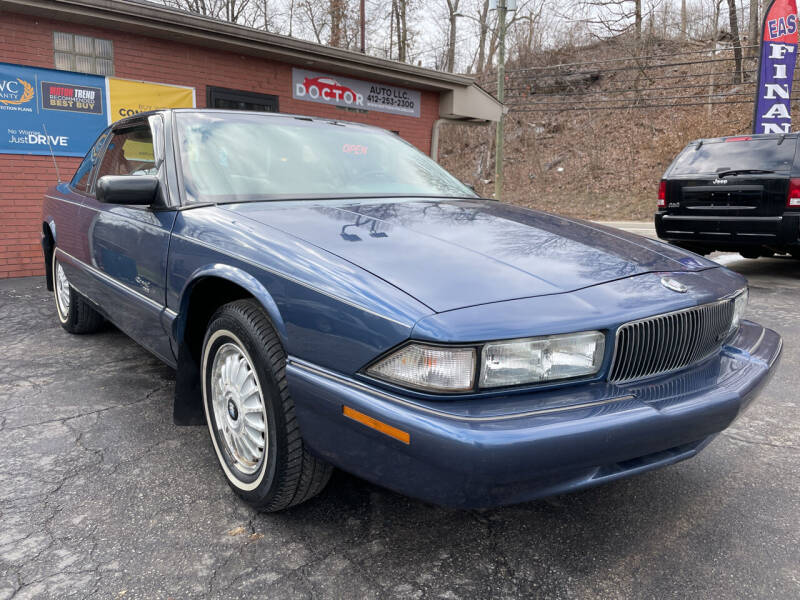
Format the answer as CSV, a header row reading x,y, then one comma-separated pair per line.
x,y
250,413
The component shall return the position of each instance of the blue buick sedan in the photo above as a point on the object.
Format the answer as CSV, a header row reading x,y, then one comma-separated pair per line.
x,y
329,296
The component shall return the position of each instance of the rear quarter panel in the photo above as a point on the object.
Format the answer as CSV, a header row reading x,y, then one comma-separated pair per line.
x,y
59,211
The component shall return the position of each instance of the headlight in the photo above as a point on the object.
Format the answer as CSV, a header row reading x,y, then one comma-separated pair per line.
x,y
540,359
426,367
739,306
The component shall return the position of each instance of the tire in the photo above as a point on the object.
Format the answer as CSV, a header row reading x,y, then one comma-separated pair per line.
x,y
250,414
74,313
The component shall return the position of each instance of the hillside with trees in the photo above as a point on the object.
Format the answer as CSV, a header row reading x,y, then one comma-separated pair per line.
x,y
601,94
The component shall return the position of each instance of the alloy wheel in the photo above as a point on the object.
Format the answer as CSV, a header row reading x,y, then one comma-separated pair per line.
x,y
62,291
239,411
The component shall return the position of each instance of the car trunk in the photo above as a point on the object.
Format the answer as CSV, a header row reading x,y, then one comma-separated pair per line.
x,y
756,195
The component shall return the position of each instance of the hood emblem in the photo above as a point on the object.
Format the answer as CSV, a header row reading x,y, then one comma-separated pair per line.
x,y
674,285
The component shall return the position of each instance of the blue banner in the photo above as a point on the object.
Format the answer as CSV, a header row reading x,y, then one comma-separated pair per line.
x,y
776,68
44,109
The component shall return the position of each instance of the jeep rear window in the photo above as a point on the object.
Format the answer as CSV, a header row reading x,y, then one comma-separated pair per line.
x,y
716,157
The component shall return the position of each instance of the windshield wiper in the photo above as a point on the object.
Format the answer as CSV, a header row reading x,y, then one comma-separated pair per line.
x,y
743,172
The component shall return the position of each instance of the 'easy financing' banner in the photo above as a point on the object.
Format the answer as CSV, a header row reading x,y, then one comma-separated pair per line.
x,y
776,69
42,109
45,109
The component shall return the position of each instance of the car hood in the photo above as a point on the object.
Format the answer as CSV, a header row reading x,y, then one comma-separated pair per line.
x,y
456,253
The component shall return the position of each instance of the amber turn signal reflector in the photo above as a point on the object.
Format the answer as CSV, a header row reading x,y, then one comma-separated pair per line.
x,y
385,429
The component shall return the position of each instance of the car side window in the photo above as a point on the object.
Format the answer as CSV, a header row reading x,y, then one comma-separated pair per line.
x,y
81,181
130,152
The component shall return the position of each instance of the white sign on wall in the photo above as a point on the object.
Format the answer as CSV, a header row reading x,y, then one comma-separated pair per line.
x,y
352,93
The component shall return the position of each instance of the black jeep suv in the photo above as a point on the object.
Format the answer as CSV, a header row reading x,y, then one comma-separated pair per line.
x,y
739,194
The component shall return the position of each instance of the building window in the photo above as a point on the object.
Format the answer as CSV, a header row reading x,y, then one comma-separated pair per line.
x,y
83,54
217,97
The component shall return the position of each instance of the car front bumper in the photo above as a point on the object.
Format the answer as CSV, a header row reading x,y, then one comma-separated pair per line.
x,y
514,448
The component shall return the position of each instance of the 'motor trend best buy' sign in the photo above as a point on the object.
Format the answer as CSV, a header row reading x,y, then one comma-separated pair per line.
x,y
44,110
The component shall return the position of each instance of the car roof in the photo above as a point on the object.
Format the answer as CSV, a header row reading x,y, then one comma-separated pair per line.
x,y
751,136
274,115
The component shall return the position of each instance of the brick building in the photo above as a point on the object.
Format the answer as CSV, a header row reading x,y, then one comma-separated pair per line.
x,y
225,65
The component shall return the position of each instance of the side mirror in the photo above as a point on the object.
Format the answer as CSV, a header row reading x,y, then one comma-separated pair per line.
x,y
134,190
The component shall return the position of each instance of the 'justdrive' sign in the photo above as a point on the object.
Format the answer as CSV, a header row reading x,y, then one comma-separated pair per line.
x,y
776,69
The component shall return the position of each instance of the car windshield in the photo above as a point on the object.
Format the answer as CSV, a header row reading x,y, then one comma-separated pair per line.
x,y
241,157
768,154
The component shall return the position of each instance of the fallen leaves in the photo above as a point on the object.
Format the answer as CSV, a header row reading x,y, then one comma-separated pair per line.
x,y
253,537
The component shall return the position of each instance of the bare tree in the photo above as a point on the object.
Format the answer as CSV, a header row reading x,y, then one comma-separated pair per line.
x,y
316,18
338,13
755,28
400,27
737,43
528,29
483,24
615,16
263,16
452,13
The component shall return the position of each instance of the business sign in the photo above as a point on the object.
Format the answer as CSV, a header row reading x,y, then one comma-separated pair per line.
x,y
127,97
44,109
72,98
352,93
776,68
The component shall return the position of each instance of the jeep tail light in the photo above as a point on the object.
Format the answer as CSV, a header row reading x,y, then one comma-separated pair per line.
x,y
793,201
741,138
662,194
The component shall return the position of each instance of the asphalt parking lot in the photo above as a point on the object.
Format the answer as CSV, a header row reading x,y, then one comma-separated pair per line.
x,y
103,497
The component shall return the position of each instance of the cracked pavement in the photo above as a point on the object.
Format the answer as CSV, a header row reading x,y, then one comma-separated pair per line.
x,y
103,497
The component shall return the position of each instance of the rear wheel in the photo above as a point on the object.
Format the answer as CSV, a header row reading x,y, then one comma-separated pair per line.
x,y
250,413
74,312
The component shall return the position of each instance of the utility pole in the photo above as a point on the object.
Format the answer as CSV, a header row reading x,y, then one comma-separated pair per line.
x,y
363,19
683,19
501,85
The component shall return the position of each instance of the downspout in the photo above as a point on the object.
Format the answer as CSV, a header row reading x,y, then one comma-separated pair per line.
x,y
435,138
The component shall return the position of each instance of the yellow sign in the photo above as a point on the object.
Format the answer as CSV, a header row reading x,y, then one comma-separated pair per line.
x,y
140,151
127,97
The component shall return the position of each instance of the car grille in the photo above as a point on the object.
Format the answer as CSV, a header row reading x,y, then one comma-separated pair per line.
x,y
670,341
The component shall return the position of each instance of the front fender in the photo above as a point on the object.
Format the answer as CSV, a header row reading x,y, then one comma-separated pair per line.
x,y
187,408
238,277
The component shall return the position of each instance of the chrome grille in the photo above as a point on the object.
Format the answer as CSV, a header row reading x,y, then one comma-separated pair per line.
x,y
670,341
